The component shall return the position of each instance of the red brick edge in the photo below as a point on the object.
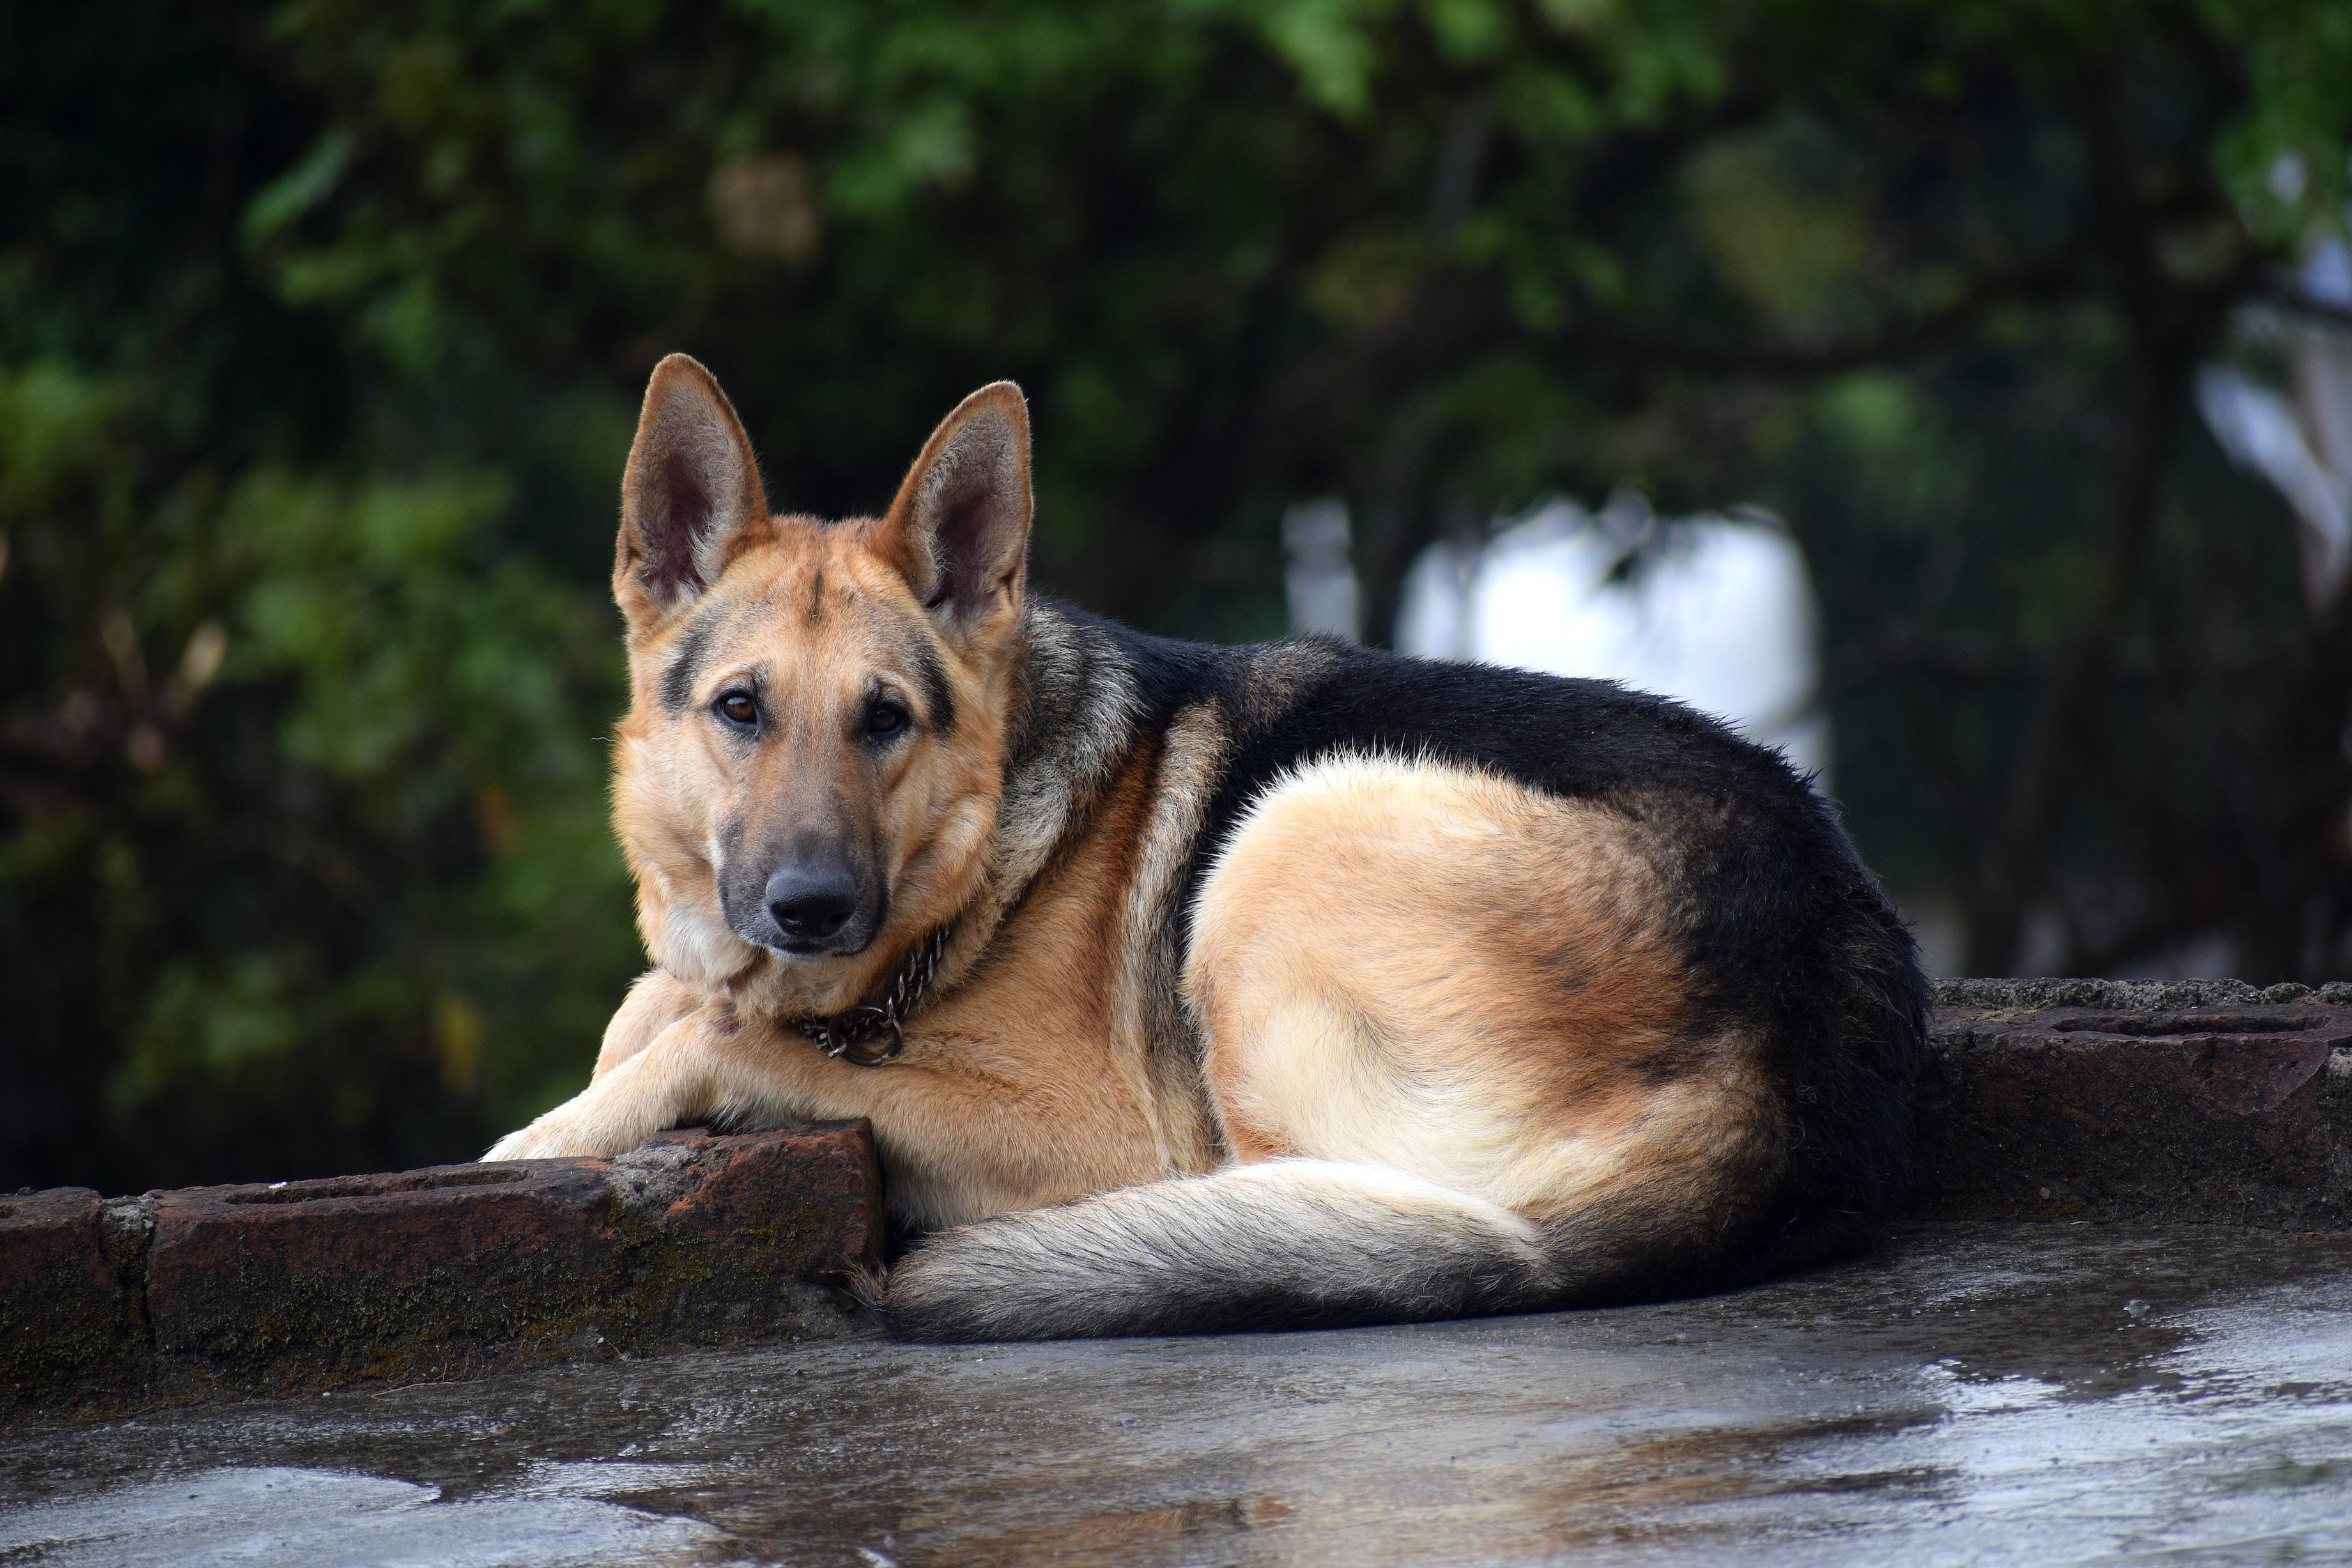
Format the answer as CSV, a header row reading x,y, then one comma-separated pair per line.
x,y
437,1272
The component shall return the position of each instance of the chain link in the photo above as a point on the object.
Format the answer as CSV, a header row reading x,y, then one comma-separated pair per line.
x,y
838,1034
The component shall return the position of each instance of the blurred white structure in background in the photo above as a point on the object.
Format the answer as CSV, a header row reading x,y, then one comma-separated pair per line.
x,y
2302,440
1717,612
1320,580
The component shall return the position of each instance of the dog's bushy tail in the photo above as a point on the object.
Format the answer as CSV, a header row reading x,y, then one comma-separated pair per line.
x,y
1282,1244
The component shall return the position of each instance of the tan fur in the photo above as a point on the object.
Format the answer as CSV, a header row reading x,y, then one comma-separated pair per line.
x,y
1461,985
1416,966
658,1000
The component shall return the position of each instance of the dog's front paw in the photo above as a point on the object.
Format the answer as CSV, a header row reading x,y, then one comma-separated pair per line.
x,y
520,1145
556,1136
650,1091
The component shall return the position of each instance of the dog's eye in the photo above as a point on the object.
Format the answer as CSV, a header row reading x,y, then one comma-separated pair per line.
x,y
738,709
885,719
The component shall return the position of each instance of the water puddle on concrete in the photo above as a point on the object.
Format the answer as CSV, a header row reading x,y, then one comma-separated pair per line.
x,y
2028,1396
271,1515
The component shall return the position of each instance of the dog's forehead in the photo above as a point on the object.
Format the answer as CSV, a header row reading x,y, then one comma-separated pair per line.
x,y
812,617
822,598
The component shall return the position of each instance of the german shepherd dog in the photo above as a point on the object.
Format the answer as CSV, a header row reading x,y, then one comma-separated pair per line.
x,y
1194,988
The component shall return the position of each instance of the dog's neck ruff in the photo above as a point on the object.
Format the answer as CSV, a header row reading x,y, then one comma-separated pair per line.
x,y
845,1036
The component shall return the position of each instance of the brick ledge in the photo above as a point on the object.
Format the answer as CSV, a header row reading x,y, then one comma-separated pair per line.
x,y
2040,1099
437,1273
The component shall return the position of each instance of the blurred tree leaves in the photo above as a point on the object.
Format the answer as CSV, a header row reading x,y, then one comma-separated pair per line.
x,y
322,326
317,753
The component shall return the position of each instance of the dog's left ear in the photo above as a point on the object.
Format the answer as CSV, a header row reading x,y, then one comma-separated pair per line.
x,y
958,530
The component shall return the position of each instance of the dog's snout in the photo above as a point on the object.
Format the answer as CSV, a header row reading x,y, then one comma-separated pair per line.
x,y
812,903
812,897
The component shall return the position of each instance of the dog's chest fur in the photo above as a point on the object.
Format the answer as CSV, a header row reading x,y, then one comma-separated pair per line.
x,y
1071,1007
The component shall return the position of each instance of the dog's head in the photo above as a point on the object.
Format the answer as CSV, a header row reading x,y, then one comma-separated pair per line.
x,y
810,771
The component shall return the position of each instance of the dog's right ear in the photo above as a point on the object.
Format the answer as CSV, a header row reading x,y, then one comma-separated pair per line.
x,y
688,495
959,531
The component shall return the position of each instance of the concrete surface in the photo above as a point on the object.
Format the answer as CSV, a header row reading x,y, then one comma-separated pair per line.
x,y
1975,1394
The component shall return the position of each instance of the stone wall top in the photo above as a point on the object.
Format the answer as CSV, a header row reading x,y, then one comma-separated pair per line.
x,y
2131,995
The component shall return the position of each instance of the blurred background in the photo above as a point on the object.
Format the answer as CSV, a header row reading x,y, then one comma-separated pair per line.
x,y
1956,395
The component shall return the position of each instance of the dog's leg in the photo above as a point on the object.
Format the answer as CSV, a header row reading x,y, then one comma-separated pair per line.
x,y
708,1063
655,1001
674,1079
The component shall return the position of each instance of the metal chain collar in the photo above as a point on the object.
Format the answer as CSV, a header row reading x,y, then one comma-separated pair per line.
x,y
839,1033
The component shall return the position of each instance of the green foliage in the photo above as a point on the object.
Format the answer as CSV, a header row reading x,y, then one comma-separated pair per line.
x,y
322,326
310,826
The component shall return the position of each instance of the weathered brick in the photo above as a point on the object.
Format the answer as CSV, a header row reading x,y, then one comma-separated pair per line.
x,y
722,1235
367,1273
2211,1111
61,1312
437,1271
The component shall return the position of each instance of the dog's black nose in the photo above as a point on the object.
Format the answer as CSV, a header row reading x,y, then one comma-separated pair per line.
x,y
811,903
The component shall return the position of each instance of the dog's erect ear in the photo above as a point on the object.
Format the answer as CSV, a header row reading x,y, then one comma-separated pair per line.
x,y
958,530
691,487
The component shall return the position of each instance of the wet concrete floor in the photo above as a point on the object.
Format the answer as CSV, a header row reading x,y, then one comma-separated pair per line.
x,y
2022,1394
